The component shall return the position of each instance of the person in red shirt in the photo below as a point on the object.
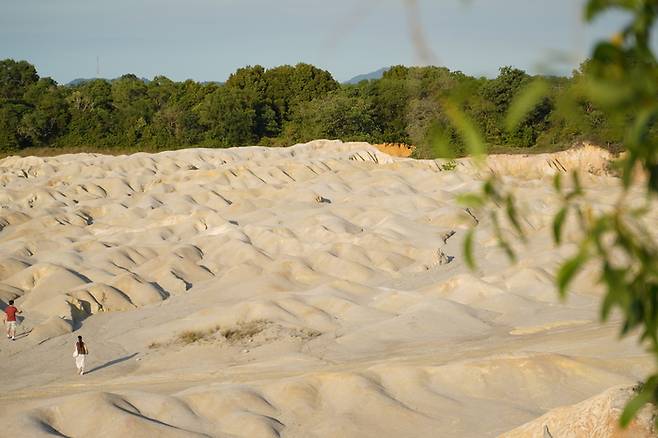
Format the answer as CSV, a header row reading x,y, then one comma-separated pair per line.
x,y
10,320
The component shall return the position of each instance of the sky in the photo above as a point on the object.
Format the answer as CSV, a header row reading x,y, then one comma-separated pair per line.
x,y
206,40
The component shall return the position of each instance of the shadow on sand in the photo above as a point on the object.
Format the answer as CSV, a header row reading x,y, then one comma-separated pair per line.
x,y
22,335
110,363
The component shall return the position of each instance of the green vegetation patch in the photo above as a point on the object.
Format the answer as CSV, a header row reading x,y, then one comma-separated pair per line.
x,y
292,104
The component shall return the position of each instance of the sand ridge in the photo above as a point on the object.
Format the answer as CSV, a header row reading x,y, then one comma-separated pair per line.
x,y
346,260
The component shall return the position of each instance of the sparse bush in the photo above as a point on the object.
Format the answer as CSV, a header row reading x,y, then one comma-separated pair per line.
x,y
190,336
245,330
241,332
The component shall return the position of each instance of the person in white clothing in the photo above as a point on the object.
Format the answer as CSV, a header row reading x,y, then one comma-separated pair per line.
x,y
80,353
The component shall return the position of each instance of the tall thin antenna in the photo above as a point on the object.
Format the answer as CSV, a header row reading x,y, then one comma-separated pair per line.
x,y
98,67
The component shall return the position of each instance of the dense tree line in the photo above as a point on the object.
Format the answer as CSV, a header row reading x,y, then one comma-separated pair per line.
x,y
282,106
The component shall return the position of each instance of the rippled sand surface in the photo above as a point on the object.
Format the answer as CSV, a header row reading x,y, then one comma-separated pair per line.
x,y
311,291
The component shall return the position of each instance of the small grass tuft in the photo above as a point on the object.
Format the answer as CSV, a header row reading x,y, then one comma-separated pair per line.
x,y
308,333
449,165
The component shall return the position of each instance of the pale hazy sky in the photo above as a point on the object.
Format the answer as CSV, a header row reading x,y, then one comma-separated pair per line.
x,y
206,40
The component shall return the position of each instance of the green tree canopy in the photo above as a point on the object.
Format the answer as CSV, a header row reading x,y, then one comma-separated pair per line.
x,y
289,104
15,78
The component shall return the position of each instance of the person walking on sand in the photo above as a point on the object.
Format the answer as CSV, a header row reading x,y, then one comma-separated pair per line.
x,y
10,320
80,353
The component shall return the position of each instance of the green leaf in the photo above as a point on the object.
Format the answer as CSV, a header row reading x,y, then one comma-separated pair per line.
x,y
596,7
639,130
653,177
524,102
488,188
466,129
558,222
578,188
513,216
614,279
608,94
511,255
470,200
644,397
468,249
441,146
502,242
628,168
608,302
557,182
569,269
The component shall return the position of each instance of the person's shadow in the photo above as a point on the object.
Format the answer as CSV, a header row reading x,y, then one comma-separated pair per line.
x,y
23,334
112,362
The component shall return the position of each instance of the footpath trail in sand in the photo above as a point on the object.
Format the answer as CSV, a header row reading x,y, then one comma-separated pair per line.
x,y
311,291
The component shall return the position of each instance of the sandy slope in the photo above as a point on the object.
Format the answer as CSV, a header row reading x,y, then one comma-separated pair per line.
x,y
321,286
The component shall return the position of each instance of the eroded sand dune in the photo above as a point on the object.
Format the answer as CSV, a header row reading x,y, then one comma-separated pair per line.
x,y
311,291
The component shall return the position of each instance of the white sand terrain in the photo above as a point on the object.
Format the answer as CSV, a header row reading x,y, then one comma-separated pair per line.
x,y
312,291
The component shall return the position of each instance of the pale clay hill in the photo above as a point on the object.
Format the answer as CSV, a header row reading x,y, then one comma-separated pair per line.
x,y
311,291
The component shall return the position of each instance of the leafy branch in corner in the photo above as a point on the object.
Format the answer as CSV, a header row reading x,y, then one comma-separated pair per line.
x,y
621,80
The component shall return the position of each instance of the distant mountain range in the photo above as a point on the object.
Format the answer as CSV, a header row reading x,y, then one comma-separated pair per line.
x,y
368,76
355,80
80,81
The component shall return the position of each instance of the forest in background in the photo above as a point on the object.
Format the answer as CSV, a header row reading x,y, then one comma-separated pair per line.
x,y
285,105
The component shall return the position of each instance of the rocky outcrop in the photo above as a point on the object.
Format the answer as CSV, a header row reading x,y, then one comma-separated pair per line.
x,y
597,417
